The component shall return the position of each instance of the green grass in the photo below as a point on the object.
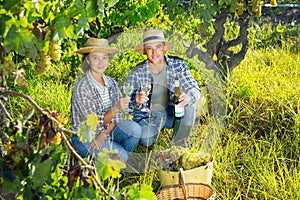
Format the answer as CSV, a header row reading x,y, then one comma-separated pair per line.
x,y
257,156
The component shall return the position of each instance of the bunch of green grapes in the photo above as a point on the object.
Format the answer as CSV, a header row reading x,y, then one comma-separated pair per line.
x,y
174,152
190,160
7,67
43,63
55,51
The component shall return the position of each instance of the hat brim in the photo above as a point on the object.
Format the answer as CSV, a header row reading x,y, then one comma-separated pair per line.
x,y
140,48
86,50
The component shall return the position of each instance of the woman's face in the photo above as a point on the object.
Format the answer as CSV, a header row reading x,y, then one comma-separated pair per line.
x,y
98,62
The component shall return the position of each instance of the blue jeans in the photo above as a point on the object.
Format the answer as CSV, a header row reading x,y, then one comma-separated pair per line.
x,y
164,119
124,138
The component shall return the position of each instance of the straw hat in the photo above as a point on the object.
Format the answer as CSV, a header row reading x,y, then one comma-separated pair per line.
x,y
153,35
97,45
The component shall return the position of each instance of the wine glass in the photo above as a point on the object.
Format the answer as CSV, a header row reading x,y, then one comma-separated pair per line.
x,y
127,90
146,88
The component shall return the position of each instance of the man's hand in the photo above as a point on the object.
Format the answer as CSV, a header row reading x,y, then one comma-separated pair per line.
x,y
184,100
141,98
98,141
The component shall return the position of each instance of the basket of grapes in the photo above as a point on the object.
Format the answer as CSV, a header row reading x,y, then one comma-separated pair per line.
x,y
197,166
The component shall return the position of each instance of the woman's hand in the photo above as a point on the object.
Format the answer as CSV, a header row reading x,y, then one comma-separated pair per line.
x,y
123,103
98,141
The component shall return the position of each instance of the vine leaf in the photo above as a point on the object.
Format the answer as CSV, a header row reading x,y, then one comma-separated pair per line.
x,y
107,167
143,191
92,121
42,173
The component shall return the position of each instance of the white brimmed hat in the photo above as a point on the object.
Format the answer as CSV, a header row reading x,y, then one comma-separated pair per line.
x,y
153,35
97,45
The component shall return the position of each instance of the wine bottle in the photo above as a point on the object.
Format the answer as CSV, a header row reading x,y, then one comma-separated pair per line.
x,y
179,112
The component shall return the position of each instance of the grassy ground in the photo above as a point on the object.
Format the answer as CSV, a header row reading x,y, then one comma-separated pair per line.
x,y
258,154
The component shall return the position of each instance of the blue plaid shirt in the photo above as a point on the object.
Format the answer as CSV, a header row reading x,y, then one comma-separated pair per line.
x,y
86,99
176,67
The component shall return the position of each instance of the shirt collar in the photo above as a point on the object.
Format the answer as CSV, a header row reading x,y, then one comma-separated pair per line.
x,y
107,81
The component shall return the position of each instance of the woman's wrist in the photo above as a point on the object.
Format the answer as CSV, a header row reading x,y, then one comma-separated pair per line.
x,y
114,110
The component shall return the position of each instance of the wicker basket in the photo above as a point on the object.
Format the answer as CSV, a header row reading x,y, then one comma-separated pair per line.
x,y
189,191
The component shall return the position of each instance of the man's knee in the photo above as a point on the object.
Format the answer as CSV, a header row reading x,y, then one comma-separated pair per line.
x,y
147,141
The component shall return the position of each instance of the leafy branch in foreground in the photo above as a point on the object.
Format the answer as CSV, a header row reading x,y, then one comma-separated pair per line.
x,y
46,169
56,124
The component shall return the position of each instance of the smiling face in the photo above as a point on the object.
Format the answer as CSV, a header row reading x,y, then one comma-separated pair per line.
x,y
155,52
98,62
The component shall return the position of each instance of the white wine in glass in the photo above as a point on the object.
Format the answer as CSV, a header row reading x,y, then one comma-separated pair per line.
x,y
127,90
146,88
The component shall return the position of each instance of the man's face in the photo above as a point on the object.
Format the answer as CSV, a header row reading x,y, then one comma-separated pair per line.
x,y
155,52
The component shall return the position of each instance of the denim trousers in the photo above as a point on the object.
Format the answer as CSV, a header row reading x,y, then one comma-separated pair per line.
x,y
124,138
164,119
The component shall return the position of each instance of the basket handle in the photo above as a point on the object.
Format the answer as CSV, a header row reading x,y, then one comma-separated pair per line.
x,y
182,183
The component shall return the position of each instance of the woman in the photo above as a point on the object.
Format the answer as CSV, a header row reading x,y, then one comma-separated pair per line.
x,y
99,94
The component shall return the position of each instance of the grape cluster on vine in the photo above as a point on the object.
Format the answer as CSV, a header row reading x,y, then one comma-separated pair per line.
x,y
54,51
43,63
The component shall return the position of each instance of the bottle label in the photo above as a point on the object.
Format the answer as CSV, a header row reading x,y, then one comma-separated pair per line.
x,y
179,112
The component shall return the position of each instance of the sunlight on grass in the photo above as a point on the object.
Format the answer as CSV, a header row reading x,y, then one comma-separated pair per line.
x,y
269,74
51,94
259,152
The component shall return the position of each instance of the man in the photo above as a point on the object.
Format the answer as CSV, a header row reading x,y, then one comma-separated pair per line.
x,y
161,70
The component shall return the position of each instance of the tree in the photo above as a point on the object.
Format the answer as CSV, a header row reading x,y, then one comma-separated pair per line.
x,y
207,25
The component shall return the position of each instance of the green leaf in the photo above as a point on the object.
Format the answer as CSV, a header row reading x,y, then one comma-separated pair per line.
x,y
69,31
147,192
107,167
73,11
14,6
4,25
45,9
85,133
134,192
8,187
60,23
31,11
82,25
111,3
42,173
18,40
143,191
92,9
92,120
